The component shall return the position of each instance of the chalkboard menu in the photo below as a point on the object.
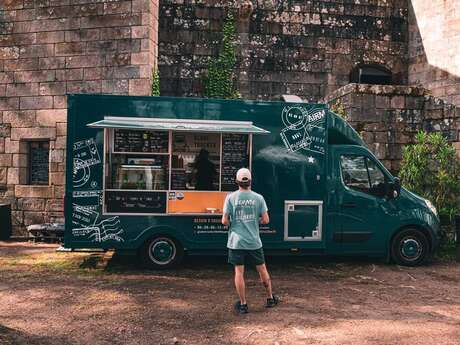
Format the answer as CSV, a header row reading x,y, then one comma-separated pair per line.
x,y
39,164
136,202
178,179
235,155
126,140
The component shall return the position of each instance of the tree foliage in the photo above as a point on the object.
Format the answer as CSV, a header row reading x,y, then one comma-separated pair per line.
x,y
338,108
220,81
155,88
431,169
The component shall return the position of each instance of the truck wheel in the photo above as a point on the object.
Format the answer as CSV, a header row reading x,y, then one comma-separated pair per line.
x,y
161,252
410,247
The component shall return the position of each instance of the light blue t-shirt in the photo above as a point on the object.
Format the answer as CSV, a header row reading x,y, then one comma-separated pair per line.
x,y
244,209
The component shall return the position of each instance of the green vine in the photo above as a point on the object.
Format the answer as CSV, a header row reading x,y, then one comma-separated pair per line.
x,y
220,81
155,88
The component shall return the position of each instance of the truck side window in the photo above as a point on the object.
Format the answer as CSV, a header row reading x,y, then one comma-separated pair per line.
x,y
354,172
377,178
362,174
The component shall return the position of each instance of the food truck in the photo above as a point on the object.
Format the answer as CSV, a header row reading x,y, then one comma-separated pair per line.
x,y
150,175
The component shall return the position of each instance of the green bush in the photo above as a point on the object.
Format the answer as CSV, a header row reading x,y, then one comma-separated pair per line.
x,y
431,169
220,80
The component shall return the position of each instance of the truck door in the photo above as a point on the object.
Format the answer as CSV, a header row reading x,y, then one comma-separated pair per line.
x,y
362,207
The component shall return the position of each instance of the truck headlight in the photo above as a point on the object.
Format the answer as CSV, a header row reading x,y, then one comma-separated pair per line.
x,y
431,207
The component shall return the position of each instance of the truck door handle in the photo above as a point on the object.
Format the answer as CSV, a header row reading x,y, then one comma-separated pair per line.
x,y
349,205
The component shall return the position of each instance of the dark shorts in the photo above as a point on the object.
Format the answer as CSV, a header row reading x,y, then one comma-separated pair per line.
x,y
239,257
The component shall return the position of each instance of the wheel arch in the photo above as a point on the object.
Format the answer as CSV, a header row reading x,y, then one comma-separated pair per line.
x,y
158,231
423,229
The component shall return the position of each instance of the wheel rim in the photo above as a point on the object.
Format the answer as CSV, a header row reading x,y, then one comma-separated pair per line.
x,y
162,251
411,248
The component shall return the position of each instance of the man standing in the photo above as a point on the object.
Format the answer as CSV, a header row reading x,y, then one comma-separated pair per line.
x,y
243,211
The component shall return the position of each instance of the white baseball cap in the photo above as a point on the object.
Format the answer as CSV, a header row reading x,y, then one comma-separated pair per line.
x,y
243,175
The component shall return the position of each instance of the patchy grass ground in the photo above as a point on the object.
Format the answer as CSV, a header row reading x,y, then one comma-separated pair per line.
x,y
71,298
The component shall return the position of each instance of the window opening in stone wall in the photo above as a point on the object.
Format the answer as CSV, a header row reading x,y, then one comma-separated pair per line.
x,y
371,74
38,162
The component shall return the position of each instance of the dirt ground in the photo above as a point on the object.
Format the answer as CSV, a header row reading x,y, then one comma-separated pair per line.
x,y
78,298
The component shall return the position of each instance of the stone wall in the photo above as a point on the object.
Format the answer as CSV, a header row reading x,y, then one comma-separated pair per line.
x,y
307,48
49,48
388,117
434,47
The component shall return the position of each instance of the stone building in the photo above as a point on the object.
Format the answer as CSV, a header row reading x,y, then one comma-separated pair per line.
x,y
321,50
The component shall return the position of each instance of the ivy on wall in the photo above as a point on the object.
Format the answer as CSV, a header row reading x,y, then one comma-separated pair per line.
x,y
155,88
220,81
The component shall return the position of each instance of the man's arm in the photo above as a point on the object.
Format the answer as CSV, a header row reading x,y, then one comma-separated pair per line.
x,y
225,219
264,219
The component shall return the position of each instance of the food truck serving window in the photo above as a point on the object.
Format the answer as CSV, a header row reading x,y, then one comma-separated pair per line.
x,y
162,166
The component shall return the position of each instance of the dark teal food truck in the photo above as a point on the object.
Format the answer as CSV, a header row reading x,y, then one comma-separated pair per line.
x,y
134,183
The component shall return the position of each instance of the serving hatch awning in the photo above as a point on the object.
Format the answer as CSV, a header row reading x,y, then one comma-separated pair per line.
x,y
179,125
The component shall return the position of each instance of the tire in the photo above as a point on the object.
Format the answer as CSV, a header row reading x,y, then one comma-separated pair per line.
x,y
410,247
161,252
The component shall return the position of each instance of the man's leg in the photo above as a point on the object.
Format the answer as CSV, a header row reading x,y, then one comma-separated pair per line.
x,y
239,283
265,278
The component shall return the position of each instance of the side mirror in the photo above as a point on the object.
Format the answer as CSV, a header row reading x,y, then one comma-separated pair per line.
x,y
394,188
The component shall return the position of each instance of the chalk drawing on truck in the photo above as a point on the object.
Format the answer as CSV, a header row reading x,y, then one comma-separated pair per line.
x,y
86,223
85,155
303,129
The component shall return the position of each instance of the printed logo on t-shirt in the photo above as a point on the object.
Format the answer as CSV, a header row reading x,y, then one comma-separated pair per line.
x,y
245,210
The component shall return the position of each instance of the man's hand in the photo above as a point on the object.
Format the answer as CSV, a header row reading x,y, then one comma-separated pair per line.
x,y
264,219
225,219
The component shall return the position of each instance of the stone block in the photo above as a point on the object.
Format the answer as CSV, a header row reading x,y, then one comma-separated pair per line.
x,y
61,143
57,156
70,48
84,61
98,47
22,89
33,218
33,133
38,102
17,218
36,50
53,88
59,191
115,33
13,176
50,37
29,191
118,59
57,178
48,63
21,64
382,102
82,35
140,87
115,86
113,20
9,103
6,159
140,58
398,102
20,118
5,130
20,160
2,145
60,102
54,205
61,128
6,77
3,175
49,117
140,31
92,73
9,52
31,204
34,76
87,86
